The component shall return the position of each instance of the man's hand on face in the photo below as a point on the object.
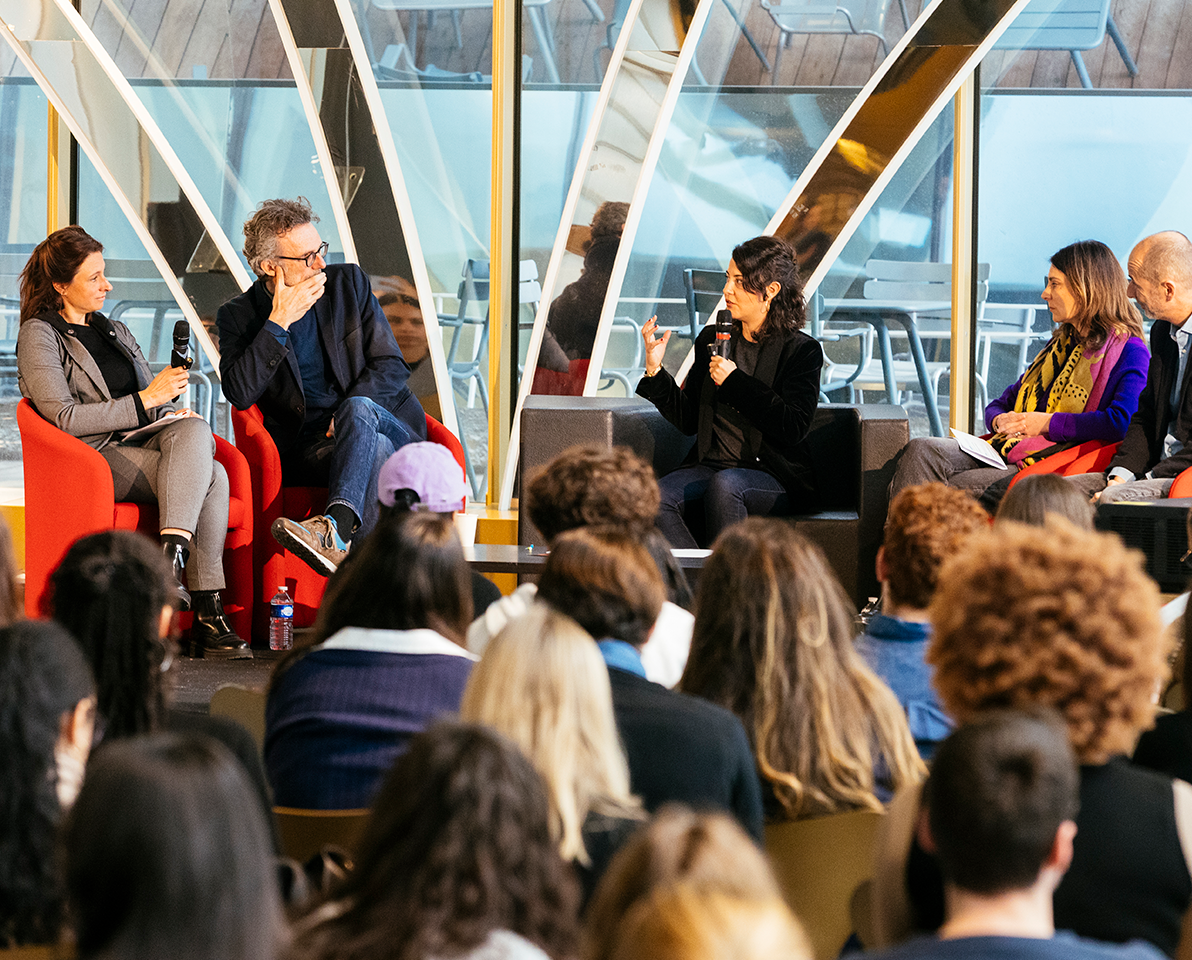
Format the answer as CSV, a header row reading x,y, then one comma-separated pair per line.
x,y
291,303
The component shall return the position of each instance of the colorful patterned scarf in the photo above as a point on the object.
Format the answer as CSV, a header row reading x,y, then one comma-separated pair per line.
x,y
1066,377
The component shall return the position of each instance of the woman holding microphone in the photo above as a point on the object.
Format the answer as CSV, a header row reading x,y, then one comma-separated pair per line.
x,y
86,375
750,405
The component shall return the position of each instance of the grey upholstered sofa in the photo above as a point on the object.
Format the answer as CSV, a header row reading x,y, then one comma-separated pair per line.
x,y
854,448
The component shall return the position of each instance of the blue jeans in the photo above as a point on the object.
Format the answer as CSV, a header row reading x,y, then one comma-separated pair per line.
x,y
349,463
722,497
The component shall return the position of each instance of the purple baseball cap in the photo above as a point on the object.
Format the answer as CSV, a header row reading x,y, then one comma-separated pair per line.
x,y
430,471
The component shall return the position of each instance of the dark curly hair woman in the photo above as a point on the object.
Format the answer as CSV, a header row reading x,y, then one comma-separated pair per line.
x,y
457,860
47,717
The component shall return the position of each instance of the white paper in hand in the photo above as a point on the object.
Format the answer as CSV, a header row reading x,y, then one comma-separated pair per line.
x,y
976,447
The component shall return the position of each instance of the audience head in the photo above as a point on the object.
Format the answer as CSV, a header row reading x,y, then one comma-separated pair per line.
x,y
674,580
168,855
773,642
10,594
47,717
114,592
1033,499
399,303
543,684
681,923
55,260
707,852
1161,276
272,219
424,477
1094,280
925,525
458,846
1000,789
605,580
766,260
591,485
1061,618
409,573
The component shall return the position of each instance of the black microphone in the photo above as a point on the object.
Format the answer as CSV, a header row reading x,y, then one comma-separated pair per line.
x,y
724,331
180,355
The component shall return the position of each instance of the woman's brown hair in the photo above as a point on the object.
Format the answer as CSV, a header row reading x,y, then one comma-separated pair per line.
x,y
55,260
1098,284
773,643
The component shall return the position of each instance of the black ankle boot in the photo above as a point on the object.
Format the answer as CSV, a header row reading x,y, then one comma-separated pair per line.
x,y
176,557
211,635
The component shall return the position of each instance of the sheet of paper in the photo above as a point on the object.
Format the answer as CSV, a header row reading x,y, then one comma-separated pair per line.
x,y
976,447
140,433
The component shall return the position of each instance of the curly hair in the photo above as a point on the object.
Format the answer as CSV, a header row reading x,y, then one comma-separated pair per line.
x,y
588,485
773,643
55,260
925,525
608,220
458,846
109,591
272,219
43,676
703,851
762,261
1064,619
606,581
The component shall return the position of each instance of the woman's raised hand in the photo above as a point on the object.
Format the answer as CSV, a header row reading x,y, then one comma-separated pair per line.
x,y
164,387
655,346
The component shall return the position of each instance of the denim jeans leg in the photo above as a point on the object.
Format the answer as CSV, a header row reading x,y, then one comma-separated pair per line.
x,y
364,431
737,493
681,491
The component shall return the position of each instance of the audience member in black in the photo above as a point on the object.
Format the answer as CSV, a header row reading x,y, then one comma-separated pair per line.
x,y
457,860
750,410
114,593
1036,497
47,721
680,748
1167,747
426,477
1065,619
999,812
167,855
707,852
575,313
773,643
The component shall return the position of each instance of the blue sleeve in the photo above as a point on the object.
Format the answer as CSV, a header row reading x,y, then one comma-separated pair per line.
x,y
1109,421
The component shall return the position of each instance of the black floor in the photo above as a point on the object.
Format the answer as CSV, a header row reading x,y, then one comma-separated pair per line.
x,y
192,682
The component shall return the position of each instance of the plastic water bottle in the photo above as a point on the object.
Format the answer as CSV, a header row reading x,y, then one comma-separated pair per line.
x,y
281,620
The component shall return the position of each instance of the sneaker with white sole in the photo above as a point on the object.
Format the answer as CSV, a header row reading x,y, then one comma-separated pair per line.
x,y
316,541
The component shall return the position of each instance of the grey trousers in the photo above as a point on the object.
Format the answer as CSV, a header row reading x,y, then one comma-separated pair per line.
x,y
940,460
1144,489
175,468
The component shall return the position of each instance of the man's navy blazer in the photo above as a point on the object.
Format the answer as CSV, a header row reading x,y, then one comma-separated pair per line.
x,y
363,356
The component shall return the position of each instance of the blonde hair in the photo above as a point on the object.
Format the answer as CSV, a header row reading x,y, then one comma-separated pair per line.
x,y
773,642
543,684
683,923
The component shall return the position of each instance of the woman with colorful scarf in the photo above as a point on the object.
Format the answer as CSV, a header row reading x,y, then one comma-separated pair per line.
x,y
1083,385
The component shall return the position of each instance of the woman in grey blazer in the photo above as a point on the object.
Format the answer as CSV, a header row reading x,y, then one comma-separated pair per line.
x,y
86,375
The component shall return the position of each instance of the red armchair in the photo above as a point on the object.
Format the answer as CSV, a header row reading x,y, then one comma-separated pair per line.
x,y
1092,456
68,494
273,564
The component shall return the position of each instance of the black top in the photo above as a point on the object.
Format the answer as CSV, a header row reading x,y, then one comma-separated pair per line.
x,y
1168,747
116,369
729,427
682,749
575,313
776,403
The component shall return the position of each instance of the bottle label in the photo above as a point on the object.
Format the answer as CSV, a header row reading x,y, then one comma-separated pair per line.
x,y
282,611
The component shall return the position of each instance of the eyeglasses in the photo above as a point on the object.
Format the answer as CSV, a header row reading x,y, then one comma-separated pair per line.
x,y
311,257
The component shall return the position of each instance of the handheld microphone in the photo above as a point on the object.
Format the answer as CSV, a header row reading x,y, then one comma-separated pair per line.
x,y
724,331
180,355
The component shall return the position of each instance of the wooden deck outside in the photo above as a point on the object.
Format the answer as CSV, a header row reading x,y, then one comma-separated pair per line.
x,y
237,39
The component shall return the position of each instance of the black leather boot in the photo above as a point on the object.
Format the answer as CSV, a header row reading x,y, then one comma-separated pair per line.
x,y
211,635
176,557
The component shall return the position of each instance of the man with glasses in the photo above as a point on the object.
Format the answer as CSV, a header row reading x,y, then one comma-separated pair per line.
x,y
309,345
